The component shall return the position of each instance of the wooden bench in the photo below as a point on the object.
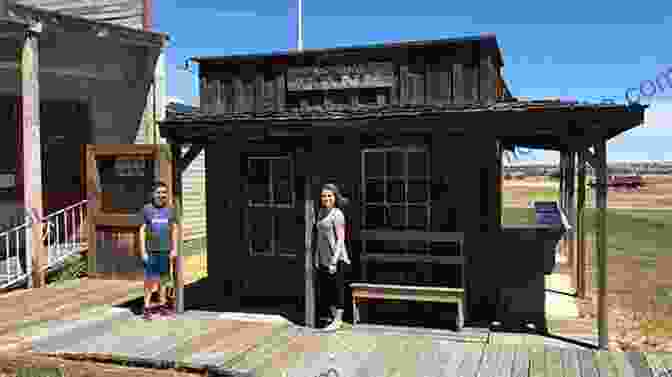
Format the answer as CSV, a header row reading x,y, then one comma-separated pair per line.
x,y
364,291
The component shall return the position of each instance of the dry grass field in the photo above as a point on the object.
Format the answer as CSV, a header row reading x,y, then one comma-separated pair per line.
x,y
639,261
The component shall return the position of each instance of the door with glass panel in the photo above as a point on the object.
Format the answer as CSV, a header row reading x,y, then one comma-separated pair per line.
x,y
274,226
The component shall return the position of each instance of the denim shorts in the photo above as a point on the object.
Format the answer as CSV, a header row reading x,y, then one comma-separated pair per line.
x,y
157,267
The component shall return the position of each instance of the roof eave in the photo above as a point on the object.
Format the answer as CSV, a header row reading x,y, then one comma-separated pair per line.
x,y
353,49
53,20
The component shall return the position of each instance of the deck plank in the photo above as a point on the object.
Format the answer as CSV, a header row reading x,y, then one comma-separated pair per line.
x,y
521,361
587,364
611,364
488,364
570,363
248,360
381,360
636,365
343,351
37,305
230,344
188,350
68,309
473,353
655,364
553,358
666,359
449,356
506,360
536,354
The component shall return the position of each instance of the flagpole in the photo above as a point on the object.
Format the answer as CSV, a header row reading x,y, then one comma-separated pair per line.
x,y
299,41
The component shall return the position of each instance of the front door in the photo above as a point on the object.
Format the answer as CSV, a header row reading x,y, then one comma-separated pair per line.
x,y
65,131
119,180
274,224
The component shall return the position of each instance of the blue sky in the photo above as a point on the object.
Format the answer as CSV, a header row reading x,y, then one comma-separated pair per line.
x,y
589,50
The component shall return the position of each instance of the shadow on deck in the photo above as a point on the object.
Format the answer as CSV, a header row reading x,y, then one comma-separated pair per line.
x,y
203,295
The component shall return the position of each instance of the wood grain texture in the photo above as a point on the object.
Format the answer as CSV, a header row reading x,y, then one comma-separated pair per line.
x,y
521,361
471,363
120,12
587,363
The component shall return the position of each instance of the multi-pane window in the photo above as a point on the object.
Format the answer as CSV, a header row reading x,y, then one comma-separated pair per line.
x,y
271,197
396,187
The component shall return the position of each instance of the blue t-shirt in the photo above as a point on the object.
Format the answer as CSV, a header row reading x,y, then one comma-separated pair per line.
x,y
157,222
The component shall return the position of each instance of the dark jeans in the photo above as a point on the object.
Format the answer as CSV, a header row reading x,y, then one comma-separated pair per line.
x,y
331,287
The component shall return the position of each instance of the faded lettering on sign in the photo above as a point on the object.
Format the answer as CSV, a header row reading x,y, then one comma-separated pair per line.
x,y
369,75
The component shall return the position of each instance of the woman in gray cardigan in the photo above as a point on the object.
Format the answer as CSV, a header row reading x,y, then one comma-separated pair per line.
x,y
331,254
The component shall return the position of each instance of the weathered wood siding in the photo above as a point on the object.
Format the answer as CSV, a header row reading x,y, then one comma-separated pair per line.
x,y
128,13
466,74
193,189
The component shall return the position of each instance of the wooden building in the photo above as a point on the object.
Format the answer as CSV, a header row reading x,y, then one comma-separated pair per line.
x,y
73,73
413,132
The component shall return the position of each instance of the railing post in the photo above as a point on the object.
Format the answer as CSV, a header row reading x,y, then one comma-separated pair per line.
x,y
28,234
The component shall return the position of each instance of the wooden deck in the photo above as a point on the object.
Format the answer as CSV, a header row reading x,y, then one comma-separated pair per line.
x,y
79,320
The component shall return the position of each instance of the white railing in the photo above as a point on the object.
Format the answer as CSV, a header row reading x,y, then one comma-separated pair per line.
x,y
64,233
15,263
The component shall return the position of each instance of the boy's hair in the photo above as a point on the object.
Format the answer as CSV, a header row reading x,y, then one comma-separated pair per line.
x,y
158,184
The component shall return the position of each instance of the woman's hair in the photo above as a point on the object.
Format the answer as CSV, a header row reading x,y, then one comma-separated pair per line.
x,y
341,201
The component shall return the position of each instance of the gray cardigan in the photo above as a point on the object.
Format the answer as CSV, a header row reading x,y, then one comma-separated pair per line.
x,y
327,243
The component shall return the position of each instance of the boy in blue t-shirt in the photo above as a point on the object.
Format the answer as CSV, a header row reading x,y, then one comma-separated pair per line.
x,y
158,244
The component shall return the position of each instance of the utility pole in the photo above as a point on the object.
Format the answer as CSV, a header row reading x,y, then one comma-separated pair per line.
x,y
299,41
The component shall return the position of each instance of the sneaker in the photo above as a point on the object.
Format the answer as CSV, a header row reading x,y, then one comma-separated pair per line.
x,y
333,326
166,311
147,314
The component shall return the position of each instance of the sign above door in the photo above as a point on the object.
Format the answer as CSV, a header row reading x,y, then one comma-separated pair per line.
x,y
369,75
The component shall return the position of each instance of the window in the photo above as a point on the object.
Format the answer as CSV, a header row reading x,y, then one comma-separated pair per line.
x,y
271,197
396,189
125,183
270,182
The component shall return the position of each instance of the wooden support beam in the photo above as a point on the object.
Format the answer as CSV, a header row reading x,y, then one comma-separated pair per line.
x,y
581,229
29,156
177,197
570,204
601,242
309,263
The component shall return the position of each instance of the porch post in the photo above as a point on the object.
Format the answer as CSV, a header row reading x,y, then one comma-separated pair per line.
x,y
29,156
601,241
570,205
580,228
176,153
563,195
310,273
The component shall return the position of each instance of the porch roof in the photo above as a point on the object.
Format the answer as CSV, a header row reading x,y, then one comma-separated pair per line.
x,y
20,17
534,124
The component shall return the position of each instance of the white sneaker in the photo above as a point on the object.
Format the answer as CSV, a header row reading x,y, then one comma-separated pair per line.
x,y
333,326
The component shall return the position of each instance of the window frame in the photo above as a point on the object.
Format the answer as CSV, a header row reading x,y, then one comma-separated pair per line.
x,y
273,218
405,178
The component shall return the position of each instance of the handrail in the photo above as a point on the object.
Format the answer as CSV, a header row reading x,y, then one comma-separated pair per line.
x,y
61,235
78,204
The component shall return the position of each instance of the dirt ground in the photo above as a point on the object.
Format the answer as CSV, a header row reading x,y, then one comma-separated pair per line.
x,y
631,292
656,193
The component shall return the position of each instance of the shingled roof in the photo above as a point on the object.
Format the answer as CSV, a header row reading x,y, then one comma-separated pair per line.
x,y
485,40
346,112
